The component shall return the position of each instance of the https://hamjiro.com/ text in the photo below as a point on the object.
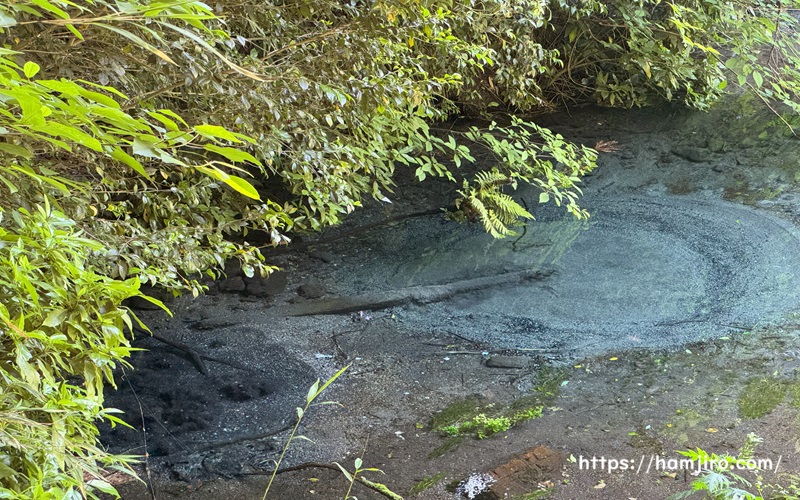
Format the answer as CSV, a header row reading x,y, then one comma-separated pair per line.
x,y
646,464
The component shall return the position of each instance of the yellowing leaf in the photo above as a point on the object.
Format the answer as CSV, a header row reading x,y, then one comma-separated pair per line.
x,y
137,40
237,183
242,186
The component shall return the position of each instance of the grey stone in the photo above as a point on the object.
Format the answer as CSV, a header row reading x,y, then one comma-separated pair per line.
x,y
270,286
716,145
312,290
518,362
696,155
214,323
325,257
232,284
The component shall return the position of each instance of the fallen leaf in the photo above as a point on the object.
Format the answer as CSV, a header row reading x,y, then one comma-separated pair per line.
x,y
712,429
613,359
600,485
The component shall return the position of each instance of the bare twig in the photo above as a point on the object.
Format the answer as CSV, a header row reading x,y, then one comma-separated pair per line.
x,y
242,439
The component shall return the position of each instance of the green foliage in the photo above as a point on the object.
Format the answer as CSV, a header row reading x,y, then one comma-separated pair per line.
x,y
485,202
145,142
58,320
761,395
718,480
483,425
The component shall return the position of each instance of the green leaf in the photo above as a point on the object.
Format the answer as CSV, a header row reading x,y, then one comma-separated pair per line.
x,y
6,20
344,471
544,198
55,318
758,79
312,392
242,186
173,115
102,486
72,133
331,380
216,132
232,154
44,4
143,147
30,69
138,41
15,150
237,183
170,124
120,155
74,31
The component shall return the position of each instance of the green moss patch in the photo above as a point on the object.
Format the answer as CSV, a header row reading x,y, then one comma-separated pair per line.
x,y
547,387
760,396
426,483
794,394
464,418
461,419
458,411
474,416
449,444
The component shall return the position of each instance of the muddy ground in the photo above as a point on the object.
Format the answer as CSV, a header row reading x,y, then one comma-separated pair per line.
x,y
668,321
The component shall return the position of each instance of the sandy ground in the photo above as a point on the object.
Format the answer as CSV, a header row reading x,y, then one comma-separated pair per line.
x,y
655,323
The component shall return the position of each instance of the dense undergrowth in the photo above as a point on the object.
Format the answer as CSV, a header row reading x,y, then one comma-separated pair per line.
x,y
146,141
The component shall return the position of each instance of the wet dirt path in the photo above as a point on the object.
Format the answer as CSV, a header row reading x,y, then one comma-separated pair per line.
x,y
665,322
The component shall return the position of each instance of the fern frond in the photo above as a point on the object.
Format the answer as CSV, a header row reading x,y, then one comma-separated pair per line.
x,y
484,202
508,210
496,227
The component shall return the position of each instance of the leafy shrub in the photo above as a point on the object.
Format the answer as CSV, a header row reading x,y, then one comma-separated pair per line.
x,y
145,142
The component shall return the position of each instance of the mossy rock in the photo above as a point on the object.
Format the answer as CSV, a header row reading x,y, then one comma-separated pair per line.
x,y
458,411
760,396
426,482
